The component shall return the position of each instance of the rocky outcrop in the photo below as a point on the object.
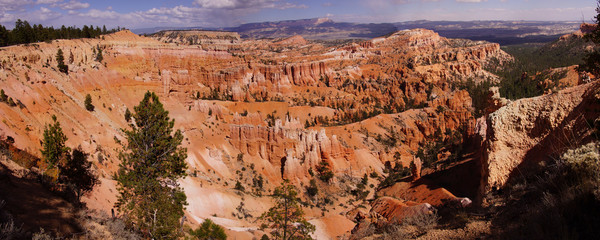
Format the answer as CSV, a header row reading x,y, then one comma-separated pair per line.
x,y
214,40
584,28
415,169
528,131
295,41
494,100
394,210
286,144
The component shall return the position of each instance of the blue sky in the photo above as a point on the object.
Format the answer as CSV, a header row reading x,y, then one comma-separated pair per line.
x,y
222,13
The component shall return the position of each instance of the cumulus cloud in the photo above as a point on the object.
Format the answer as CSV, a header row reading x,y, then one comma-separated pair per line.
x,y
13,5
246,4
215,13
48,1
41,15
45,14
99,14
471,1
175,16
74,5
232,3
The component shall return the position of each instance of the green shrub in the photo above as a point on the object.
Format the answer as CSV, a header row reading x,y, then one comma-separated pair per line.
x,y
312,189
209,231
239,187
324,172
584,167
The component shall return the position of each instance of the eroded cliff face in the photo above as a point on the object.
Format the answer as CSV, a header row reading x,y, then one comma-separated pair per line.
x,y
253,110
208,40
528,131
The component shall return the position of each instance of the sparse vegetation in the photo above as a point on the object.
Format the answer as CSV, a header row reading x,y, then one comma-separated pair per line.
x,y
564,203
394,175
9,100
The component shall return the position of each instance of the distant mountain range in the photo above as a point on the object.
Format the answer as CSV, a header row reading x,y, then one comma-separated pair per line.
x,y
503,32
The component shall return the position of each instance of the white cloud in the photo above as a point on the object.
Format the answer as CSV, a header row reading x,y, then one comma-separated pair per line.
x,y
232,3
291,5
41,15
99,14
48,1
45,14
13,5
74,5
471,1
213,13
246,4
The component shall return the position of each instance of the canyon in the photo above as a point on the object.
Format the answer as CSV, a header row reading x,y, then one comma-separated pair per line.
x,y
266,110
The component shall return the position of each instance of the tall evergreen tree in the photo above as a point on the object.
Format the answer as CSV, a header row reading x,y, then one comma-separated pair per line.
x,y
99,56
151,163
592,60
88,103
53,144
60,59
77,173
286,218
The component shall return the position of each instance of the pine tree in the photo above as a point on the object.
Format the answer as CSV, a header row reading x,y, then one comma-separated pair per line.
x,y
127,115
53,145
88,103
151,163
3,96
77,173
592,60
286,218
60,59
99,56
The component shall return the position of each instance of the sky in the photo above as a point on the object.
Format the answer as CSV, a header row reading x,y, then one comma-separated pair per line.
x,y
134,14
